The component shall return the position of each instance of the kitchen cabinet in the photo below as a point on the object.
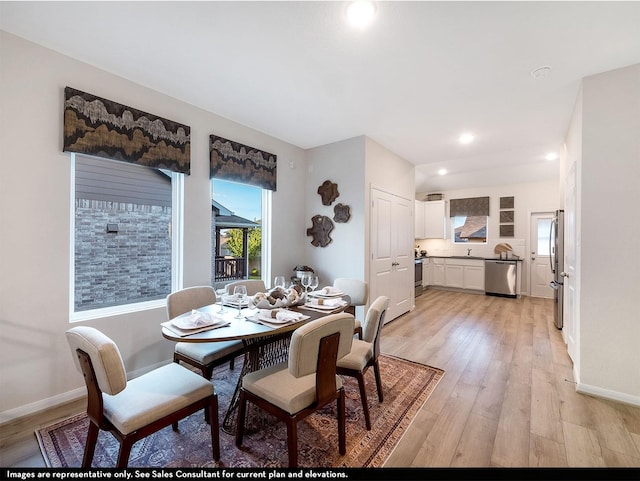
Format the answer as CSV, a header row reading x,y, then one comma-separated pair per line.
x,y
437,273
434,220
426,272
457,273
418,212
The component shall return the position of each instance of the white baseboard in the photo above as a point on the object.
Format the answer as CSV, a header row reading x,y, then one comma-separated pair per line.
x,y
54,401
607,394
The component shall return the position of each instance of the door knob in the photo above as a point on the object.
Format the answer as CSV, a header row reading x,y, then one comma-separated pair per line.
x,y
564,274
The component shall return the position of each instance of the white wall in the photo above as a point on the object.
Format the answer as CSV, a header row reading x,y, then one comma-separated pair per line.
x,y
343,164
36,368
610,234
528,198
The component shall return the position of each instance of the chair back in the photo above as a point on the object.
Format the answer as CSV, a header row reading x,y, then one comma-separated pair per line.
x,y
305,342
253,286
189,298
104,356
374,320
357,290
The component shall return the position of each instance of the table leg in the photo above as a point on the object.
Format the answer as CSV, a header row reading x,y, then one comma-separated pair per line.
x,y
260,352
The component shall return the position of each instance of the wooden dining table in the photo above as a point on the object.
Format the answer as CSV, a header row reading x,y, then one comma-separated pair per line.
x,y
265,345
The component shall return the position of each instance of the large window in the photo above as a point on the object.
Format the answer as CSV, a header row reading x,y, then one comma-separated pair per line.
x,y
237,231
126,236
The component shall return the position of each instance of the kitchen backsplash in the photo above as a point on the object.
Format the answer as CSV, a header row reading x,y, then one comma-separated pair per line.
x,y
444,247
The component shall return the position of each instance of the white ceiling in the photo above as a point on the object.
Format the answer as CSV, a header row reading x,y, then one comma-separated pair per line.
x,y
413,81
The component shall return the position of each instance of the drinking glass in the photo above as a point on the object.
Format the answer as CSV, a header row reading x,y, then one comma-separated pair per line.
x,y
239,293
220,303
306,281
279,281
314,283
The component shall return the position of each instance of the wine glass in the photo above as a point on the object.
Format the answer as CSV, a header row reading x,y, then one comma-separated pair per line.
x,y
314,283
279,282
219,301
239,293
306,281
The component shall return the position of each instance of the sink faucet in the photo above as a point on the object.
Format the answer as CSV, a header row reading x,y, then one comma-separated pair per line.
x,y
468,252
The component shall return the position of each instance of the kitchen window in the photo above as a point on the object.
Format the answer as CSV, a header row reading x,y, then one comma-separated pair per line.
x,y
469,229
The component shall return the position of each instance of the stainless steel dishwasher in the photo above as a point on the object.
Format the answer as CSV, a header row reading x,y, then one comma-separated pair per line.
x,y
500,278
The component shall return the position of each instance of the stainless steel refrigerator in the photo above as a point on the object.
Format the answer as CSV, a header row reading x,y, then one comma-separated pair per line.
x,y
556,260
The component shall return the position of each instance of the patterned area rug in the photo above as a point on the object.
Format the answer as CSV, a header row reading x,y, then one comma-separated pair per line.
x,y
406,386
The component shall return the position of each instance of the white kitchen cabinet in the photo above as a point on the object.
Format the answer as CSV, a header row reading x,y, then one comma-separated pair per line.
x,y
418,212
437,272
458,273
434,220
474,277
426,272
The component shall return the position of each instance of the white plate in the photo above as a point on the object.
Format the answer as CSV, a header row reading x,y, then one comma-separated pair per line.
x,y
322,307
321,294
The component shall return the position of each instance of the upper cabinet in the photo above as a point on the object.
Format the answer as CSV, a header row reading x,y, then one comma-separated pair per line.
x,y
419,219
434,220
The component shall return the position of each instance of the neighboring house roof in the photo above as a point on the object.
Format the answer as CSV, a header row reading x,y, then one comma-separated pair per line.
x,y
226,219
474,227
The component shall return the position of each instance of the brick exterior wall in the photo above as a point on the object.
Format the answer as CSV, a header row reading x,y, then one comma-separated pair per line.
x,y
132,265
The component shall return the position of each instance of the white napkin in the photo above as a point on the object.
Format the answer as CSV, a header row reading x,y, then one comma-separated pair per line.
x,y
280,315
327,302
196,319
330,291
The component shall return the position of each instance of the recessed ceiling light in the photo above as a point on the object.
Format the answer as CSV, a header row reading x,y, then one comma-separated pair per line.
x,y
466,138
541,72
442,171
551,156
360,13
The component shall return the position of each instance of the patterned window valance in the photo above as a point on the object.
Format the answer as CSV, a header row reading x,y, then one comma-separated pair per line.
x,y
469,207
102,128
233,161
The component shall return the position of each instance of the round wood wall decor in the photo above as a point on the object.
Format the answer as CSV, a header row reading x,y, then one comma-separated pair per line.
x,y
341,213
322,227
329,192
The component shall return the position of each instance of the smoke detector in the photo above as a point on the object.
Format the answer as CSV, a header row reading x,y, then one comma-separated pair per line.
x,y
541,72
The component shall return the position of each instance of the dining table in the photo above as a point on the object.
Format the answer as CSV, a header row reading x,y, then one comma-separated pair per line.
x,y
265,343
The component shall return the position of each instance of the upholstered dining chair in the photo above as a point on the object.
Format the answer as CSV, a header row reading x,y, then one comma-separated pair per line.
x,y
364,353
358,292
253,286
293,390
132,410
202,355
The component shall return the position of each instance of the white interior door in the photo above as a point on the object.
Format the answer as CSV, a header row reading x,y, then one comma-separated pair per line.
x,y
571,319
391,251
540,274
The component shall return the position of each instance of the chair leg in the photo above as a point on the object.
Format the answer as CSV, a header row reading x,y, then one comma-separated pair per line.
x,y
342,433
363,397
376,371
212,409
231,362
174,426
292,442
125,451
90,446
242,409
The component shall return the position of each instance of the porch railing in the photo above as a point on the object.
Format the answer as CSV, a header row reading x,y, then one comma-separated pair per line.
x,y
229,269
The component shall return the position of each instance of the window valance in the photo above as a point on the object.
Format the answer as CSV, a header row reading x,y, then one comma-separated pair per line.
x,y
469,207
234,161
102,128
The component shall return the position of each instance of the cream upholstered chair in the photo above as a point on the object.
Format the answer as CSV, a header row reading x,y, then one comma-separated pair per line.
x,y
203,355
253,286
358,292
293,390
132,410
364,353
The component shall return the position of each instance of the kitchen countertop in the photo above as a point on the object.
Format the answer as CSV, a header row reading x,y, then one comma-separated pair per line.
x,y
469,257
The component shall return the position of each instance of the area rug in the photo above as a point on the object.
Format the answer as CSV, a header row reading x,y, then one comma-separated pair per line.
x,y
406,386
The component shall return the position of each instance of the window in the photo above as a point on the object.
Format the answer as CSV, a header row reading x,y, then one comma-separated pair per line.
x,y
469,229
237,231
126,236
544,231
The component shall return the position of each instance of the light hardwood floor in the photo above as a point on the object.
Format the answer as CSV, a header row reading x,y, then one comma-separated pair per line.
x,y
507,397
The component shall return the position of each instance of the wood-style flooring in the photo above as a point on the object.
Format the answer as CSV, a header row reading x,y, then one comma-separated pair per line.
x,y
507,398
